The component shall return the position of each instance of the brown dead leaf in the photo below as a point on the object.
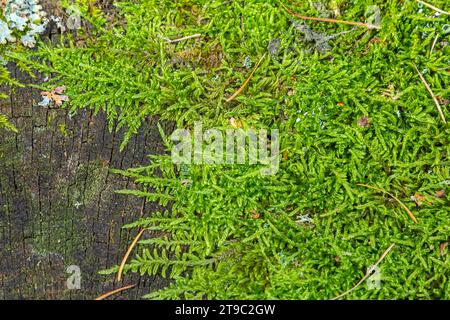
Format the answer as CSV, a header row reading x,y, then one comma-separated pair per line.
x,y
59,99
443,101
56,95
442,248
420,199
59,90
255,214
440,194
375,40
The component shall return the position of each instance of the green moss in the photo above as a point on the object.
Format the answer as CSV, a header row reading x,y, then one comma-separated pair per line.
x,y
74,194
352,112
91,178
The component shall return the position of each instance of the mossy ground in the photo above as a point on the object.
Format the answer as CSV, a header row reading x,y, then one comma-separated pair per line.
x,y
352,112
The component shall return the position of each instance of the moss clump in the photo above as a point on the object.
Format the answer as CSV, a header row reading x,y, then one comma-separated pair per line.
x,y
351,112
90,181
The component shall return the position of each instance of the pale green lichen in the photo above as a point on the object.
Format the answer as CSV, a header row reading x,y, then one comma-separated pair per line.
x,y
23,19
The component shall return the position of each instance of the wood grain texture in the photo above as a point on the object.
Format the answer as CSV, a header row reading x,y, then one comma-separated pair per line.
x,y
57,202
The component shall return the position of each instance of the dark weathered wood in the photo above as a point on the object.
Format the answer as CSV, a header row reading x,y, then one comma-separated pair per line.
x,y
57,200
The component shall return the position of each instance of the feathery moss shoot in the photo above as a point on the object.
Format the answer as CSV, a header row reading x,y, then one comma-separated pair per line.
x,y
350,108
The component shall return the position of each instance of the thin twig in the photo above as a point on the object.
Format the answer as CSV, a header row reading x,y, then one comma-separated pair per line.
x,y
392,196
436,102
110,293
197,35
433,7
246,81
127,254
432,46
369,271
358,24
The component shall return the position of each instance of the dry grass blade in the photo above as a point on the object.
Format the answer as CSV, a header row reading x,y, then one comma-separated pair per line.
x,y
432,46
110,293
246,81
194,36
369,271
352,23
393,197
433,7
127,254
436,102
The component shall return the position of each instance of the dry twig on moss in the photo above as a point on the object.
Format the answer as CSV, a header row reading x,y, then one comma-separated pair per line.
x,y
110,293
352,23
194,36
393,197
127,254
433,7
368,273
436,102
246,81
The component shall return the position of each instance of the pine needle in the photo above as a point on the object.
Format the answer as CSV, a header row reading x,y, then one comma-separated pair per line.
x,y
392,196
369,271
127,254
433,7
246,81
110,293
436,102
352,23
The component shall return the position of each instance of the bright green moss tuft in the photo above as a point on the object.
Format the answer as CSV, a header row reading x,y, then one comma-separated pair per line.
x,y
351,112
